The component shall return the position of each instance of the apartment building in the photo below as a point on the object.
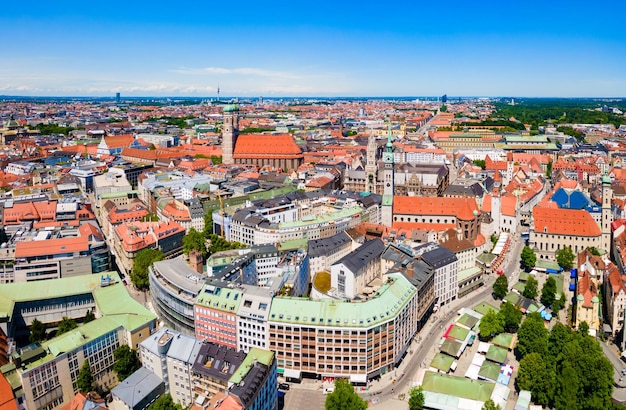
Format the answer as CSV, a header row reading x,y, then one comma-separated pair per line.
x,y
132,238
171,355
357,270
444,264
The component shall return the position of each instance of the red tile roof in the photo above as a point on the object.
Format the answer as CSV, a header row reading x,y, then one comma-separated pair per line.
x,y
463,208
28,249
266,146
7,399
561,221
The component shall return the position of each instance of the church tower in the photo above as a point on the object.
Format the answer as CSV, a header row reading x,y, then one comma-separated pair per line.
x,y
387,211
607,216
230,130
370,165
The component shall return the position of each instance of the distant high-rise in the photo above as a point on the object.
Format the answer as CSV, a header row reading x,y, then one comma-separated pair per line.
x,y
117,98
444,98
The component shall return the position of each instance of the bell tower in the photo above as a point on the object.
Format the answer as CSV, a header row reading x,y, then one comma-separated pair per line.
x,y
370,165
230,130
388,180
607,216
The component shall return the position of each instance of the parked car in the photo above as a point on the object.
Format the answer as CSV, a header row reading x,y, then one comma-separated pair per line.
x,y
283,386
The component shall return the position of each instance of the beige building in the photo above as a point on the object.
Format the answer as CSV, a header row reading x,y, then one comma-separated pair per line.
x,y
358,341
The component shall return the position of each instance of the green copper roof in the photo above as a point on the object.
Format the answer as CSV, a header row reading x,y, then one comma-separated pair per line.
x,y
265,357
231,108
381,307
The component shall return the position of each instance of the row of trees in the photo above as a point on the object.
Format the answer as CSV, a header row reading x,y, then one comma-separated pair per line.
x,y
531,291
345,398
564,257
561,368
38,329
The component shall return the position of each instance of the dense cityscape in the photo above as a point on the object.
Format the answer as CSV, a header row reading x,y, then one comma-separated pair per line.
x,y
267,253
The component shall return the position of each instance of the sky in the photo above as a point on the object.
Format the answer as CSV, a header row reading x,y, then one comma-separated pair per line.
x,y
319,48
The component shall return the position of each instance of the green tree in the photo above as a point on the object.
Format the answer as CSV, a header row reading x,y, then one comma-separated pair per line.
x,y
558,304
548,292
65,325
583,328
194,240
84,380
594,250
37,331
530,290
89,316
491,405
528,258
511,316
125,362
165,402
491,325
344,397
501,286
208,224
532,336
416,398
537,375
219,244
480,163
143,260
549,169
565,258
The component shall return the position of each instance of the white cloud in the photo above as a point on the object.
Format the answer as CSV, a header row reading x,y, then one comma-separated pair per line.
x,y
250,71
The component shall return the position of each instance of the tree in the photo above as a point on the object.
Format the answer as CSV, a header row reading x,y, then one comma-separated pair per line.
x,y
37,331
558,304
194,240
208,224
549,169
491,405
344,397
480,163
143,260
89,316
511,317
537,375
583,328
65,325
416,398
84,381
125,362
532,336
594,250
565,258
530,290
501,286
165,402
491,325
548,292
528,258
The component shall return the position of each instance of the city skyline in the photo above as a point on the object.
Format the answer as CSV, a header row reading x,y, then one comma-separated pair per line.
x,y
460,49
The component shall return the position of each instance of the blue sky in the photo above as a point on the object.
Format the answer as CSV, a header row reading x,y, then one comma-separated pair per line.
x,y
321,48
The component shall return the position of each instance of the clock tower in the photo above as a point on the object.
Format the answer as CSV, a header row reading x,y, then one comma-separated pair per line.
x,y
387,211
370,166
